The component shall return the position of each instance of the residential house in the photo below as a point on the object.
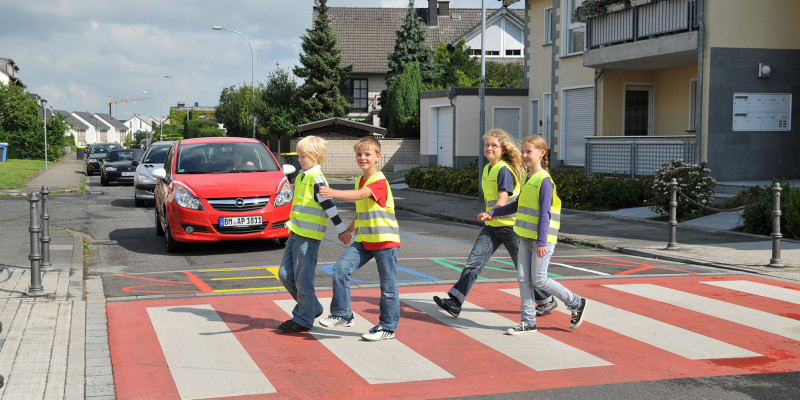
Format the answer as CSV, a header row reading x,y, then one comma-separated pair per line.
x,y
141,123
648,81
366,36
9,72
117,131
77,128
96,131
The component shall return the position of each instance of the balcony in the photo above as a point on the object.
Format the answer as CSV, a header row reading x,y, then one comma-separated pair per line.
x,y
654,35
636,155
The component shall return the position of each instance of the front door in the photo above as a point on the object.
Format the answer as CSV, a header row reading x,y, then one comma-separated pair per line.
x,y
638,106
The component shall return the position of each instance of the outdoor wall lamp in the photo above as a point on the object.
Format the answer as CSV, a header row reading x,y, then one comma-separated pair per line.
x,y
764,70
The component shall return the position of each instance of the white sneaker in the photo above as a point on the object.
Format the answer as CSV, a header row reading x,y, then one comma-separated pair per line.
x,y
377,333
335,320
521,329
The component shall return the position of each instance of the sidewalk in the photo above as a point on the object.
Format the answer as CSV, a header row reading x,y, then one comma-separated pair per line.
x,y
56,346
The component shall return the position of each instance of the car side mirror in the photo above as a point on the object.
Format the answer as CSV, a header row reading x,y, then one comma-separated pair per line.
x,y
288,169
159,173
135,163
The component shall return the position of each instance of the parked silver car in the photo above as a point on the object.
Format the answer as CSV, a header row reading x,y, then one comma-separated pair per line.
x,y
144,183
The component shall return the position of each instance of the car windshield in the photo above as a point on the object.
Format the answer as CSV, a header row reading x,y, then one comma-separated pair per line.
x,y
104,148
124,155
156,154
213,158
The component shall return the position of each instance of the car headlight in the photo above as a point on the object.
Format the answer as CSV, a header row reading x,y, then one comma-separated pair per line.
x,y
285,195
142,178
112,169
94,161
187,200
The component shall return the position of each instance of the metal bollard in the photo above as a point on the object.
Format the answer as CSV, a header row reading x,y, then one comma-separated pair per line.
x,y
45,239
776,236
673,216
36,288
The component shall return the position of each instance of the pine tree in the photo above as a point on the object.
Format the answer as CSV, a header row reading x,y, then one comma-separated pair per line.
x,y
319,97
410,47
402,99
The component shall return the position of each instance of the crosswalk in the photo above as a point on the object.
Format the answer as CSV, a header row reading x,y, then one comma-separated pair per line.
x,y
636,329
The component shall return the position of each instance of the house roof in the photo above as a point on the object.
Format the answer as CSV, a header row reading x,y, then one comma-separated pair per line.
x,y
76,123
112,121
91,120
338,126
367,35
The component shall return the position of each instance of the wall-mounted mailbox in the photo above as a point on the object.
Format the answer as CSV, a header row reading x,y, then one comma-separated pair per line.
x,y
762,112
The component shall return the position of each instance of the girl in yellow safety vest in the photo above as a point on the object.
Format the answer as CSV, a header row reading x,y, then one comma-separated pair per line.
x,y
501,184
538,211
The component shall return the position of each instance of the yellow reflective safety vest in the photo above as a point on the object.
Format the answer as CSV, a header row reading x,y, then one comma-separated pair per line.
x,y
375,223
307,218
528,211
490,192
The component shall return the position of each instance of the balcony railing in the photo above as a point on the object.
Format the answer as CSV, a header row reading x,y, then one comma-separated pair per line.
x,y
636,155
641,22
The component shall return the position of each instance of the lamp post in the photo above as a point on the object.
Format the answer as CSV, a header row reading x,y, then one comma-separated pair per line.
x,y
187,94
44,116
252,74
160,123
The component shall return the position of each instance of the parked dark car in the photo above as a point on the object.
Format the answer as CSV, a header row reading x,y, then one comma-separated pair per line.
x,y
144,183
118,166
95,155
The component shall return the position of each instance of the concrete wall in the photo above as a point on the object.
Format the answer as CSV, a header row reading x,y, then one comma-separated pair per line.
x,y
340,157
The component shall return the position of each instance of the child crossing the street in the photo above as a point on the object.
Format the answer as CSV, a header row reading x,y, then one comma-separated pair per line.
x,y
307,223
377,235
501,184
538,211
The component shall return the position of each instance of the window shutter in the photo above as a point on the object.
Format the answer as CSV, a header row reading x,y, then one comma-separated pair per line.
x,y
578,123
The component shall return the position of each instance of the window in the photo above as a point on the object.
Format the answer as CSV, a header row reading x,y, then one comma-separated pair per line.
x,y
514,52
575,30
548,25
355,91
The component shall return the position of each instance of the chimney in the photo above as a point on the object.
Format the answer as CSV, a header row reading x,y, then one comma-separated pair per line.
x,y
444,7
433,15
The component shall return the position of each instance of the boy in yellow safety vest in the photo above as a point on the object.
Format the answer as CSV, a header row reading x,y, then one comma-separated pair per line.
x,y
307,223
377,236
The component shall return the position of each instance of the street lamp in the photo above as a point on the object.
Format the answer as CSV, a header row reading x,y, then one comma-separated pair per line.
x,y
161,122
187,94
44,116
252,73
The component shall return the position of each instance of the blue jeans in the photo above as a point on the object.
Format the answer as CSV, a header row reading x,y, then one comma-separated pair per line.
x,y
354,258
298,265
532,274
488,241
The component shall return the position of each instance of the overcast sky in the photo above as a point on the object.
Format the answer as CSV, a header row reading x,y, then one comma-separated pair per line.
x,y
79,53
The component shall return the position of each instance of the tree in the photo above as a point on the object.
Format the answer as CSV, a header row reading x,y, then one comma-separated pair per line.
x,y
460,68
319,97
202,128
23,130
277,116
402,102
233,110
410,47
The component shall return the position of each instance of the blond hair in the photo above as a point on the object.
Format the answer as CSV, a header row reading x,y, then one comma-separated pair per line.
x,y
313,146
511,153
368,142
539,143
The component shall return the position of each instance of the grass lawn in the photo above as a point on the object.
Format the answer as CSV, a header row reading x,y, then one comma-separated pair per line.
x,y
14,174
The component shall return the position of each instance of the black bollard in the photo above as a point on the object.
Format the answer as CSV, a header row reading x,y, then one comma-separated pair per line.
x,y
45,239
36,288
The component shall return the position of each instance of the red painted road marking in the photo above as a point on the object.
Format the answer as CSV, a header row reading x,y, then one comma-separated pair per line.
x,y
201,286
299,366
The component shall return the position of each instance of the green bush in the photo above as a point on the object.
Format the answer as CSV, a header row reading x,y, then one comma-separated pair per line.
x,y
693,181
615,193
759,219
574,187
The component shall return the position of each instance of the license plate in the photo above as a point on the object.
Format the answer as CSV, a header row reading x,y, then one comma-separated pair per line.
x,y
240,221
128,173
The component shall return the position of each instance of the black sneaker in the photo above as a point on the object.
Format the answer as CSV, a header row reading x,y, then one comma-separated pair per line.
x,y
448,305
521,329
291,327
547,308
577,315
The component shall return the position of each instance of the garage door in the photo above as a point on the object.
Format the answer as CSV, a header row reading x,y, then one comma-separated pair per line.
x,y
578,123
444,136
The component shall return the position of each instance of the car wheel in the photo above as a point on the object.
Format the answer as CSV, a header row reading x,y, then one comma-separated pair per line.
x,y
172,245
159,230
103,180
138,202
88,173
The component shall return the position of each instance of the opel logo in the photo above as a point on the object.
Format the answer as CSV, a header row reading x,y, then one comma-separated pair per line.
x,y
239,203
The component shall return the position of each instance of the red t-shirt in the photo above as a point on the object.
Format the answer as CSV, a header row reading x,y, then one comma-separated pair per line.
x,y
380,193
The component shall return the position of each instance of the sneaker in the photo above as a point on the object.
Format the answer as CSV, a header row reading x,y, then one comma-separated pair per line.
x,y
448,305
377,333
547,308
521,329
292,327
335,320
577,315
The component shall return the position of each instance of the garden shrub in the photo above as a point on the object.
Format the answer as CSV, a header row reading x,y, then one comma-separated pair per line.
x,y
759,219
693,181
616,192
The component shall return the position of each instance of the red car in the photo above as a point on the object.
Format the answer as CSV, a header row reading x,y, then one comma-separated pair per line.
x,y
221,188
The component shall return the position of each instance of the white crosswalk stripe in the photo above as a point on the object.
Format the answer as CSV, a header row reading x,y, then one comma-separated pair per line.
x,y
656,333
757,319
204,357
760,289
387,361
539,352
